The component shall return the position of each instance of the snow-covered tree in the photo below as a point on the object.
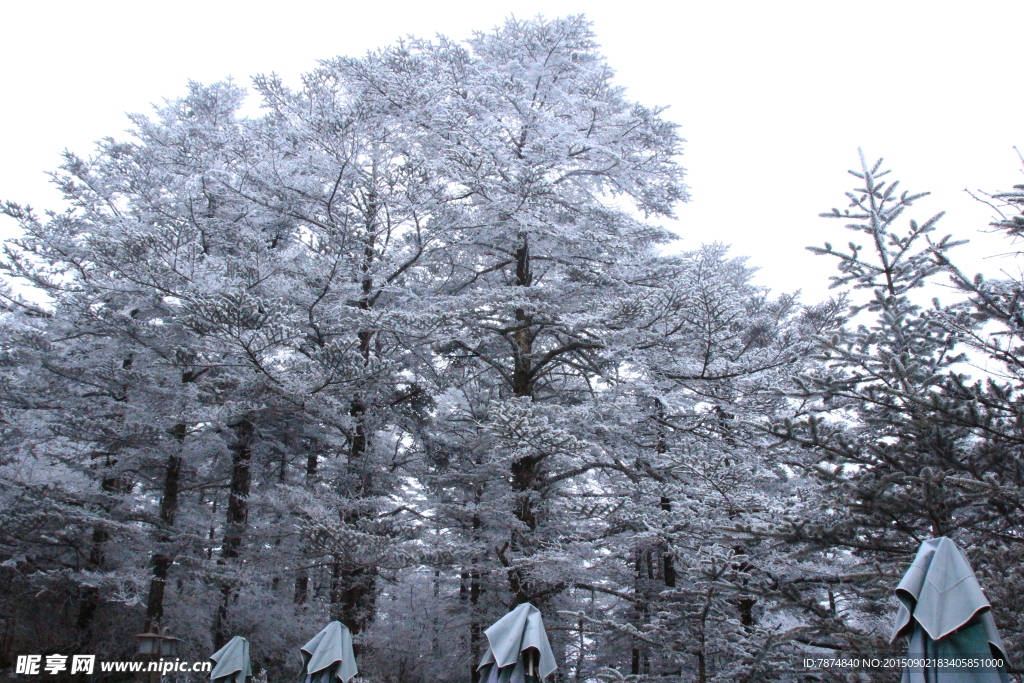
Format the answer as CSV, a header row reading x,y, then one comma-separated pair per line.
x,y
905,443
536,147
401,351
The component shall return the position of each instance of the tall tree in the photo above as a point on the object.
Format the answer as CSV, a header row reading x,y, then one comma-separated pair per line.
x,y
405,333
905,444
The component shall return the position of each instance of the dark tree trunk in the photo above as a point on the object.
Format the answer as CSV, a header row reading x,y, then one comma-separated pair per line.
x,y
336,591
301,588
238,499
354,593
668,563
236,519
220,621
354,589
90,595
355,597
172,478
745,605
526,470
523,337
435,640
651,564
155,599
469,591
644,571
160,560
746,609
302,580
525,480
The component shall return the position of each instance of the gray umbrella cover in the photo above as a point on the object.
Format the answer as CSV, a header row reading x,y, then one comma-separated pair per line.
x,y
518,630
945,614
231,662
329,655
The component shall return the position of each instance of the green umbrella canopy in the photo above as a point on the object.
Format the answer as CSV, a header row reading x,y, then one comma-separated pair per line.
x,y
945,615
329,655
520,629
231,662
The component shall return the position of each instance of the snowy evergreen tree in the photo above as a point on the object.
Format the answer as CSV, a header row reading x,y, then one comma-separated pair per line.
x,y
533,141
171,258
906,445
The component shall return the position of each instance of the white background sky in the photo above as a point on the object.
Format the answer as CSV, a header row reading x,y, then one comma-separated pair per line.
x,y
774,97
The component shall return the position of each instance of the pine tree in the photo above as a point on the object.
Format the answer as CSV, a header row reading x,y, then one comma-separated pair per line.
x,y
714,351
529,135
906,445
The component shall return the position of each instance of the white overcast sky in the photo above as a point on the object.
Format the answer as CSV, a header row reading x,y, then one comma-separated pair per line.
x,y
773,96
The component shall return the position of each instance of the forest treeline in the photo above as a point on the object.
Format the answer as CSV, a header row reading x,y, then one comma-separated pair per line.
x,y
405,351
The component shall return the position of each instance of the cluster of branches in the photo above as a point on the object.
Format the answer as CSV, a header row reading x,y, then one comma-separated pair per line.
x,y
910,424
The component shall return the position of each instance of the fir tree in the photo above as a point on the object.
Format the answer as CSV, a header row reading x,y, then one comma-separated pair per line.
x,y
906,445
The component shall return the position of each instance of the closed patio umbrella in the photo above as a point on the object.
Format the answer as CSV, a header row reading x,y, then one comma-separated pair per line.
x,y
328,657
518,648
945,615
231,662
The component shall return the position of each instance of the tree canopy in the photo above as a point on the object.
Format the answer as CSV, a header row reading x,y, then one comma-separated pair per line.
x,y
407,350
